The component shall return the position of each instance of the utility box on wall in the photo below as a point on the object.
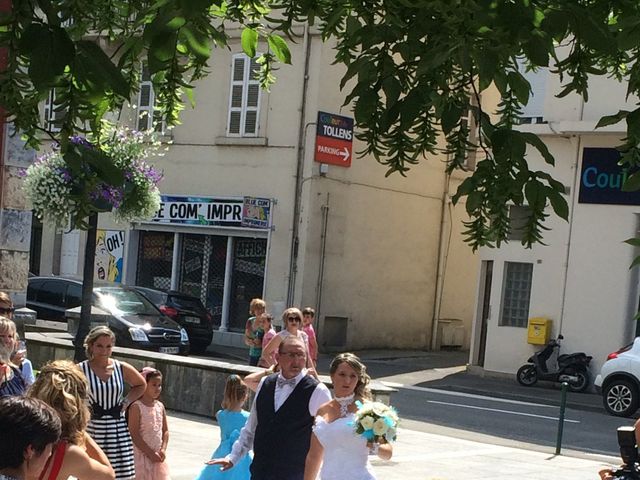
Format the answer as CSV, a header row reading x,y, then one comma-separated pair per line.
x,y
539,330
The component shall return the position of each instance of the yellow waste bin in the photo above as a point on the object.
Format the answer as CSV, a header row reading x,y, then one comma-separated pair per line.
x,y
539,330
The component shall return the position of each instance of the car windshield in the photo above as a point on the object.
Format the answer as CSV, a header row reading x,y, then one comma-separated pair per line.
x,y
187,303
128,302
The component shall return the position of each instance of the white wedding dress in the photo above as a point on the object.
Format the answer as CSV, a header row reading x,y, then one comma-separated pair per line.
x,y
346,456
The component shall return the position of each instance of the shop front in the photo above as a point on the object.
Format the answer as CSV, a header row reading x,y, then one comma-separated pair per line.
x,y
213,248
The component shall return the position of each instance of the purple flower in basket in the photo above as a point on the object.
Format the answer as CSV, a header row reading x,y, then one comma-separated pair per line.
x,y
82,141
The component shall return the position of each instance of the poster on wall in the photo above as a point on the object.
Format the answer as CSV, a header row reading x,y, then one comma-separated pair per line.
x,y
109,255
255,212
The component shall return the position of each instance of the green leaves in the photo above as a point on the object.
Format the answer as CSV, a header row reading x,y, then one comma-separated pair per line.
x,y
612,119
49,50
95,67
279,48
249,41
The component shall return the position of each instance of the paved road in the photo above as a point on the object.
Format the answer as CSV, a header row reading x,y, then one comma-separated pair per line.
x,y
476,417
528,423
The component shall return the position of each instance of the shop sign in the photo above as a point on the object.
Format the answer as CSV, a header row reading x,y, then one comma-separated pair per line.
x,y
602,178
212,211
334,139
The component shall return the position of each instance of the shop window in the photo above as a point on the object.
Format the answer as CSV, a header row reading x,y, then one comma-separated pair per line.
x,y
244,97
247,278
155,260
516,293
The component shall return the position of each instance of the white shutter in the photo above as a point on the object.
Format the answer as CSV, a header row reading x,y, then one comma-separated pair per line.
x,y
533,112
148,117
244,98
53,117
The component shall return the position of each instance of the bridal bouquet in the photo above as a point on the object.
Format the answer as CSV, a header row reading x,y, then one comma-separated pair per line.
x,y
376,422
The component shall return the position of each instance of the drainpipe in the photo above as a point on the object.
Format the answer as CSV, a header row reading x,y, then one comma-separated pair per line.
x,y
574,196
295,228
323,249
437,301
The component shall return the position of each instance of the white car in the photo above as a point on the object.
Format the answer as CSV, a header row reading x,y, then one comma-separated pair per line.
x,y
619,380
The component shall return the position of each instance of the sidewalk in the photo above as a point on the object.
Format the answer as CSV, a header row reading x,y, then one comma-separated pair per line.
x,y
417,456
444,370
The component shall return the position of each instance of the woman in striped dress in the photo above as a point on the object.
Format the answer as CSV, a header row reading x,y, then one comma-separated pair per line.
x,y
107,378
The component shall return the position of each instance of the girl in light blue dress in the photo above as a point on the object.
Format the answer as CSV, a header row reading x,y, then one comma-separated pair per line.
x,y
231,419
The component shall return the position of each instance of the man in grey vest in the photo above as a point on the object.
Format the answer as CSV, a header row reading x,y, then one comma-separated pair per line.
x,y
279,425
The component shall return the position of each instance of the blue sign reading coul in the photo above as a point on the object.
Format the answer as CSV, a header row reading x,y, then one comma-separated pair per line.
x,y
601,178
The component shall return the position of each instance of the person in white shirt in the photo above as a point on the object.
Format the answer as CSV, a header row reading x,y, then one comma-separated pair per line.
x,y
282,414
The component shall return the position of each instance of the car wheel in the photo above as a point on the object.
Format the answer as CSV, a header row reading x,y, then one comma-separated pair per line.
x,y
620,398
527,375
581,384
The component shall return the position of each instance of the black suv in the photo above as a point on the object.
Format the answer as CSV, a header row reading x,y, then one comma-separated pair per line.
x,y
136,322
185,309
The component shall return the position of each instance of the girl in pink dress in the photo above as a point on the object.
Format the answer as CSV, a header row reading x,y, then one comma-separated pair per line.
x,y
149,431
308,314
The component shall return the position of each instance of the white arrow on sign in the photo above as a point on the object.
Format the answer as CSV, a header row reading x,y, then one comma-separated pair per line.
x,y
345,154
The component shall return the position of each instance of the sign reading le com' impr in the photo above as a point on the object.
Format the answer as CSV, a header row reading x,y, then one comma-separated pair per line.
x,y
334,139
602,178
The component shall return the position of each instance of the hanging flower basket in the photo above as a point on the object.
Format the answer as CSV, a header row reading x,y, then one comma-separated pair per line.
x,y
109,175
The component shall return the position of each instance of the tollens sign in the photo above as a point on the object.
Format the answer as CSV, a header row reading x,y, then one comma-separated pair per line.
x,y
212,211
334,139
601,178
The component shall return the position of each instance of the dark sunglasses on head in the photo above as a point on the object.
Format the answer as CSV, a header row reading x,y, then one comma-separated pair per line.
x,y
7,309
293,319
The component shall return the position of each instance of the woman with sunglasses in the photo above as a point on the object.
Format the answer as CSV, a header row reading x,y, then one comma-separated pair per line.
x,y
18,356
292,320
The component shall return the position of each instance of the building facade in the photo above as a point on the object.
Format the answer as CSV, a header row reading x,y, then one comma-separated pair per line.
x,y
248,212
580,279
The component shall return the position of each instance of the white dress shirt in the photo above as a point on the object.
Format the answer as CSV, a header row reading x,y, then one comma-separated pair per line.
x,y
319,397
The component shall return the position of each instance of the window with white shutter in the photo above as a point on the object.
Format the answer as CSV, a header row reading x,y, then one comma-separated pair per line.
x,y
148,117
53,115
244,98
533,112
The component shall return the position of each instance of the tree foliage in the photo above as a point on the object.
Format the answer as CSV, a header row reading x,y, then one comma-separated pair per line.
x,y
413,70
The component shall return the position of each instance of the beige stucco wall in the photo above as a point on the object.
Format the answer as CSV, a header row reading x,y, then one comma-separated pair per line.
x,y
383,234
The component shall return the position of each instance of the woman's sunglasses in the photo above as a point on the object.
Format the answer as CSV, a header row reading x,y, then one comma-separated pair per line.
x,y
7,309
294,319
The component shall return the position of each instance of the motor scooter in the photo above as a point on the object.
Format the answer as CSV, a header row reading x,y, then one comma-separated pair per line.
x,y
571,368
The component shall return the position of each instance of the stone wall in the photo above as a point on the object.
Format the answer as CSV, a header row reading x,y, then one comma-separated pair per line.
x,y
15,219
192,385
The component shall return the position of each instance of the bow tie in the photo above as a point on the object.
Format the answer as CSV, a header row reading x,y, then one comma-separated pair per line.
x,y
283,381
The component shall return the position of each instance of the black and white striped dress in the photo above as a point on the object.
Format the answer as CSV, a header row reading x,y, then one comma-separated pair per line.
x,y
111,434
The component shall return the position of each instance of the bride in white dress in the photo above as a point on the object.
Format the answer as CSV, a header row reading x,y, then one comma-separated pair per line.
x,y
334,444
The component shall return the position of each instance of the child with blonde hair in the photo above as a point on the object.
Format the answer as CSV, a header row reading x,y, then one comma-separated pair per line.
x,y
231,419
253,330
149,430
